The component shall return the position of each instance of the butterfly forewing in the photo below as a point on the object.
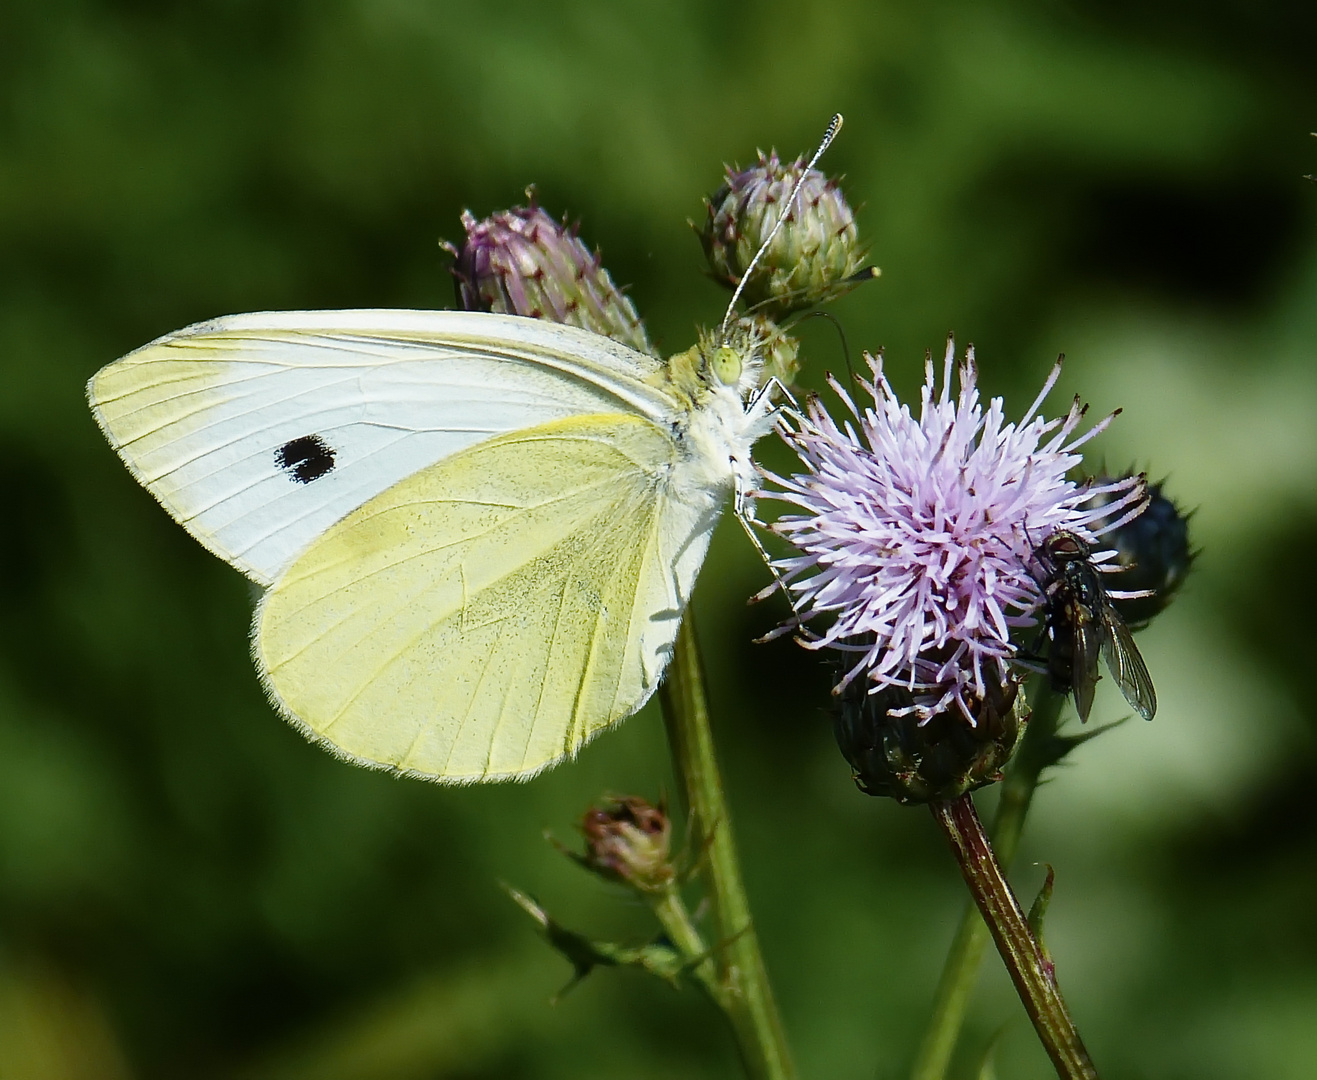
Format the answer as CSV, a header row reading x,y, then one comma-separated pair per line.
x,y
259,432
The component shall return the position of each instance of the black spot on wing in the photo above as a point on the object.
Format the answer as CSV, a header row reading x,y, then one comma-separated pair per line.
x,y
305,459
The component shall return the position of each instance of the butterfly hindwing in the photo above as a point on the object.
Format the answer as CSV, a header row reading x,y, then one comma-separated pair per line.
x,y
486,616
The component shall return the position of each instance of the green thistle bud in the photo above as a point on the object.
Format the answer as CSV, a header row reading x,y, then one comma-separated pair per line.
x,y
522,262
1153,555
816,255
914,761
779,351
629,840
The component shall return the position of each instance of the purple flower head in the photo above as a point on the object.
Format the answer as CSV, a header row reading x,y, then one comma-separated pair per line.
x,y
918,534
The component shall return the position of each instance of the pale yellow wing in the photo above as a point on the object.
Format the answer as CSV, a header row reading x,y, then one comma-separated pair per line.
x,y
486,616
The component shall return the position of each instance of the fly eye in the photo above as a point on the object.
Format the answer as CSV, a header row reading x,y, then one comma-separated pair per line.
x,y
1066,546
726,365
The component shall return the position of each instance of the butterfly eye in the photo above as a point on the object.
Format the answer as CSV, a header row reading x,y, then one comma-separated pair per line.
x,y
726,364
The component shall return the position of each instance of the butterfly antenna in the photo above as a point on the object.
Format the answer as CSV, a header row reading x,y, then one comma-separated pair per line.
x,y
834,126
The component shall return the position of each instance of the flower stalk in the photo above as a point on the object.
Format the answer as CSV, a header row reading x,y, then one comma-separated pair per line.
x,y
743,988
1030,969
1035,753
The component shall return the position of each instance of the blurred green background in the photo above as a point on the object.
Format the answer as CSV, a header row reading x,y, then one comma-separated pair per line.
x,y
189,889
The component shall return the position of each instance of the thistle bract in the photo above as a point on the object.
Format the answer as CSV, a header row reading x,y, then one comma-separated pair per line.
x,y
815,255
522,262
916,534
895,754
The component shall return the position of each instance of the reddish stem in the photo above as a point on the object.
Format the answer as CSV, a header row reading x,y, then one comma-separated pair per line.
x,y
1031,970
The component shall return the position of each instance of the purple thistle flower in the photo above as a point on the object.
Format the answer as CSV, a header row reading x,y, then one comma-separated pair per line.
x,y
918,535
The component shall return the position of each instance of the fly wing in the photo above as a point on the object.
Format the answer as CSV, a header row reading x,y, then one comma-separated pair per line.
x,y
1126,665
1084,675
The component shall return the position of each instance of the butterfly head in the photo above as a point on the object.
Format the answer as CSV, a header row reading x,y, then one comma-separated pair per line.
x,y
733,357
721,364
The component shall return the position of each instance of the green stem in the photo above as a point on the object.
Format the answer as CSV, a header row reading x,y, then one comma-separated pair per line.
x,y
1030,970
746,996
962,965
670,910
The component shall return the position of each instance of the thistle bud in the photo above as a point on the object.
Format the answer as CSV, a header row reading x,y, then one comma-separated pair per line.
x,y
522,262
918,761
815,256
629,840
1153,556
779,351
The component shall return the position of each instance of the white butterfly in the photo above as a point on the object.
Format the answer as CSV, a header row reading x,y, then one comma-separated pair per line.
x,y
477,532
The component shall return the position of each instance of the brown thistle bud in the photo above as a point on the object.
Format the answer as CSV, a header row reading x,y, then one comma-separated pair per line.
x,y
629,840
